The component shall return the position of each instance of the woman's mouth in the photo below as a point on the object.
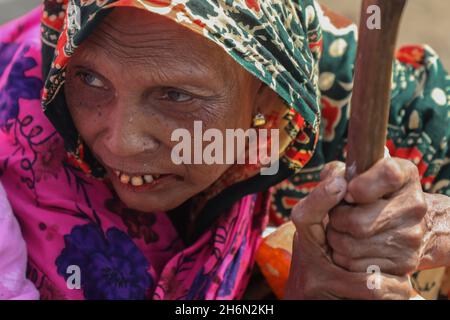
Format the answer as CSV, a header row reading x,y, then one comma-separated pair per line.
x,y
139,182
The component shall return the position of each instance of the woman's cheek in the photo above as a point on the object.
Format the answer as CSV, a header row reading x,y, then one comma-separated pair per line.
x,y
82,97
84,100
223,115
86,113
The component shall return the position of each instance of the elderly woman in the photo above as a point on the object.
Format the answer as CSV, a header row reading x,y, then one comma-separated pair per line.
x,y
89,102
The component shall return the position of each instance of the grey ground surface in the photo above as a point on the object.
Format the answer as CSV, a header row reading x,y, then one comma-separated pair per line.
x,y
425,21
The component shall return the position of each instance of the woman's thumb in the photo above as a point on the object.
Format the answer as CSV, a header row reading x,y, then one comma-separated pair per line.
x,y
310,212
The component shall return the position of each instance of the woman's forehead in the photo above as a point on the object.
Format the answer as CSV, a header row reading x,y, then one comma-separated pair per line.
x,y
135,37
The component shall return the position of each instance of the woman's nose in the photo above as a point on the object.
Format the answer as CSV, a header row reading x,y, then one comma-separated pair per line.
x,y
128,134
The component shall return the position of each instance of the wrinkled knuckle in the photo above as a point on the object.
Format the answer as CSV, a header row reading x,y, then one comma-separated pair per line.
x,y
406,164
415,237
393,174
353,266
342,261
403,269
411,168
360,230
399,267
419,206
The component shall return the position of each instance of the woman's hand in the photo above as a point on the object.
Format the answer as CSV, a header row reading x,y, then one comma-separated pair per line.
x,y
384,226
383,223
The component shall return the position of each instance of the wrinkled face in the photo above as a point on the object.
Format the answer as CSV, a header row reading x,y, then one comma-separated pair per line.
x,y
136,79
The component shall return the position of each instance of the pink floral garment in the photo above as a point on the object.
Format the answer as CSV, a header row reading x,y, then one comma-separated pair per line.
x,y
69,219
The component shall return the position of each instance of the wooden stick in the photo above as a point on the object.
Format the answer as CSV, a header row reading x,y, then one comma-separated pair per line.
x,y
371,92
372,86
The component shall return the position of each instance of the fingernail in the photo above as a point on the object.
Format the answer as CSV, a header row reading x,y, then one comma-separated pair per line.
x,y
340,166
336,186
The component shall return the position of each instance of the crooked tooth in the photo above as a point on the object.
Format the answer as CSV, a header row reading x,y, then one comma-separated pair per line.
x,y
137,181
117,172
148,178
124,178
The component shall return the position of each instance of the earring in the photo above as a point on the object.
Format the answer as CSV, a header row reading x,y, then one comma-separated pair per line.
x,y
259,120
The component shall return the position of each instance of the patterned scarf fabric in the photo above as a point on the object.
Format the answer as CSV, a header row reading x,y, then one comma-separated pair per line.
x,y
72,221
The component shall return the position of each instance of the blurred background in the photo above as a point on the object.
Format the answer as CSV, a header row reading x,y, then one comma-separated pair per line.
x,y
425,21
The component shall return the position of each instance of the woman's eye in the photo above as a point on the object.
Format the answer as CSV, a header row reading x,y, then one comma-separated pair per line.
x,y
91,80
177,96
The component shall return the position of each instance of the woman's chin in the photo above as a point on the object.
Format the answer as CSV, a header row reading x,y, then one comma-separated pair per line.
x,y
149,207
153,201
